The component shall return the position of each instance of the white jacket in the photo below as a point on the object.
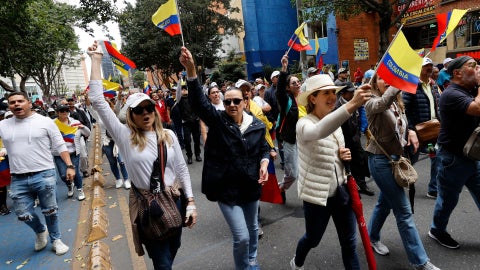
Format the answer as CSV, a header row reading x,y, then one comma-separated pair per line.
x,y
319,162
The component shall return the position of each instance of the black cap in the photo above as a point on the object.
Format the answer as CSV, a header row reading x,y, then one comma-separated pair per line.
x,y
63,106
457,63
349,87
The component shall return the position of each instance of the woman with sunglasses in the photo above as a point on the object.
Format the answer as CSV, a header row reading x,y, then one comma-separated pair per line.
x,y
235,166
389,127
72,131
288,89
138,143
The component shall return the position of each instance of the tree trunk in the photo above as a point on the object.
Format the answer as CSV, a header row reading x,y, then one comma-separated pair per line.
x,y
5,86
23,81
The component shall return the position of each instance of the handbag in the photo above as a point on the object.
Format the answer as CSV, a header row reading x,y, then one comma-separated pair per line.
x,y
427,132
472,148
158,215
403,171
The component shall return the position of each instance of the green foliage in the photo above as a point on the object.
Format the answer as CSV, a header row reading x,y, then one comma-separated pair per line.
x,y
138,79
149,46
318,10
230,69
36,39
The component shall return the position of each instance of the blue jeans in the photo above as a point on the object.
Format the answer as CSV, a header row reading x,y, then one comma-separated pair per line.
x,y
25,189
316,221
393,197
112,160
456,171
163,252
243,222
434,168
62,170
290,153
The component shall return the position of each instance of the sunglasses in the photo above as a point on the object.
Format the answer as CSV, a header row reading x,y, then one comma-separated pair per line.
x,y
63,110
236,101
139,110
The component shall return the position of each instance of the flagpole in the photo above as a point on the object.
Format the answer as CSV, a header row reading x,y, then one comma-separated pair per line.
x,y
180,22
385,53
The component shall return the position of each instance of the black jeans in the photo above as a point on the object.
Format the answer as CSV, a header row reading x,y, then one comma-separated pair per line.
x,y
192,129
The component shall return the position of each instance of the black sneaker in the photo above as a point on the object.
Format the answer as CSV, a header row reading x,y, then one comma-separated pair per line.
x,y
444,239
4,210
432,194
365,190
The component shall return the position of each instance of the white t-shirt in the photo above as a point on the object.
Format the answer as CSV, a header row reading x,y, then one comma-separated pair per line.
x,y
30,143
260,101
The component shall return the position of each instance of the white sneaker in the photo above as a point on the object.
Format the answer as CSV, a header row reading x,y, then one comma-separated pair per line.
x,y
81,195
118,183
41,241
127,184
380,248
427,266
293,266
70,190
59,247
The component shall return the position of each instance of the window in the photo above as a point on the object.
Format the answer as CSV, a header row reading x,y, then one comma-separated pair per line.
x,y
467,33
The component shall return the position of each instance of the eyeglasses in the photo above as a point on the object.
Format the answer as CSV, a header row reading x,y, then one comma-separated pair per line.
x,y
236,101
139,110
63,110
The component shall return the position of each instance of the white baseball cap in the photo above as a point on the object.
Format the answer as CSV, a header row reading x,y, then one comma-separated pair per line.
x,y
275,73
137,98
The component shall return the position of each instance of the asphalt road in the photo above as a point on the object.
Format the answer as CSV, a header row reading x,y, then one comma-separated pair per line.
x,y
208,245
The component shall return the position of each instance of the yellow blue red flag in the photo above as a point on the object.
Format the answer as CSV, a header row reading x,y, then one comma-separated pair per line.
x,y
298,42
120,60
68,132
401,65
167,18
447,22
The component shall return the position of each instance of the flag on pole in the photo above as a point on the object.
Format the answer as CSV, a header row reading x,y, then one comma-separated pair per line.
x,y
298,42
447,22
121,61
167,18
318,53
401,65
146,88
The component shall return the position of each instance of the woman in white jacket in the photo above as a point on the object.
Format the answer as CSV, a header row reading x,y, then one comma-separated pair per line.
x,y
321,153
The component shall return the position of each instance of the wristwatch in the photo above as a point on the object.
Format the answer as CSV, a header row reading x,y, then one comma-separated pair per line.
x,y
71,166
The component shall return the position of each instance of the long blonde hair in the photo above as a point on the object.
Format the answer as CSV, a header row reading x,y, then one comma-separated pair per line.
x,y
377,92
138,138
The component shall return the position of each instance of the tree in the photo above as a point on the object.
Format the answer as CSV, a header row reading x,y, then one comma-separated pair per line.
x,y
138,79
230,69
150,47
319,9
37,41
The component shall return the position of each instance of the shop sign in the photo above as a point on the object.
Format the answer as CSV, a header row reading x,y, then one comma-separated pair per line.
x,y
417,10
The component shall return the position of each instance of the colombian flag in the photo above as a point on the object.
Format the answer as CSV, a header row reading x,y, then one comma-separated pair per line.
x,y
446,24
120,60
298,42
401,65
146,88
167,18
68,132
318,53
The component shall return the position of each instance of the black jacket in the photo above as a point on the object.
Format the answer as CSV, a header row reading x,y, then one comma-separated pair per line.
x,y
286,127
417,106
232,159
